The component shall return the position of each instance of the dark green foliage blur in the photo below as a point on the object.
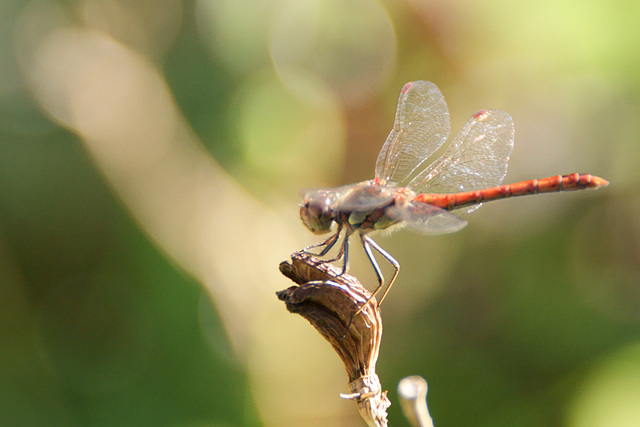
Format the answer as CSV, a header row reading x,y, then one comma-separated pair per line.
x,y
121,319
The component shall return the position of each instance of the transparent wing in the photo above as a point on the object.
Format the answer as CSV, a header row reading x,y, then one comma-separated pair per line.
x,y
421,126
427,219
476,159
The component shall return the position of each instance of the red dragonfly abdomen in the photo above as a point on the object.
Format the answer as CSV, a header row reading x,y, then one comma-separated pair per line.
x,y
553,184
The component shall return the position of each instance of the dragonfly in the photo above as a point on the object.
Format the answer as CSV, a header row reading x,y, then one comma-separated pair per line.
x,y
430,199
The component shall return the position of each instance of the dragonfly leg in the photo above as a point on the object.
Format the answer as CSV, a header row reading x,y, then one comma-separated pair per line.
x,y
367,243
343,254
328,244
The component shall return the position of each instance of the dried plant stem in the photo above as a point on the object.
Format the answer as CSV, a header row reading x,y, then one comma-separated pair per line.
x,y
329,300
413,399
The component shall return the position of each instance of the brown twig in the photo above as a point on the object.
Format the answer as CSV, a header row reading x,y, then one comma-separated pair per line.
x,y
329,300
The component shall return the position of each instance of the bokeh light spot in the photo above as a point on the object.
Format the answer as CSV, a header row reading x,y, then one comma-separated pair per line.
x,y
349,45
286,137
236,31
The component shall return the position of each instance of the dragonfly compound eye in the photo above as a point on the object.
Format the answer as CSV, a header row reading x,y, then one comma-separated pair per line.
x,y
316,215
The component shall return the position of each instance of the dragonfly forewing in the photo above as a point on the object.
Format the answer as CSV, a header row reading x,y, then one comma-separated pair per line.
x,y
421,126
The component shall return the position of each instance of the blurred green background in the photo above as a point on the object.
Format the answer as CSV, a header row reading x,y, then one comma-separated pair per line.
x,y
151,154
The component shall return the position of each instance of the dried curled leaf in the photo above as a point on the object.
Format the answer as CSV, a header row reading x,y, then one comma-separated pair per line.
x,y
330,300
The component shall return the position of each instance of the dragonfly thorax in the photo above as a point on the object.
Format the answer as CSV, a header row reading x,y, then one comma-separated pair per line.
x,y
362,207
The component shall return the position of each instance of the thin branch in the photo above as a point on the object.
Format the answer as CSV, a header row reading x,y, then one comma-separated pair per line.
x,y
413,399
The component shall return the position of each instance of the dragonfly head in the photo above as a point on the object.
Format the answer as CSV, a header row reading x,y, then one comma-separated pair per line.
x,y
316,212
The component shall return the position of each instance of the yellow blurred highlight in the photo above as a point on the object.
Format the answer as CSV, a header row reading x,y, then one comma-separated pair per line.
x,y
96,86
610,394
150,26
